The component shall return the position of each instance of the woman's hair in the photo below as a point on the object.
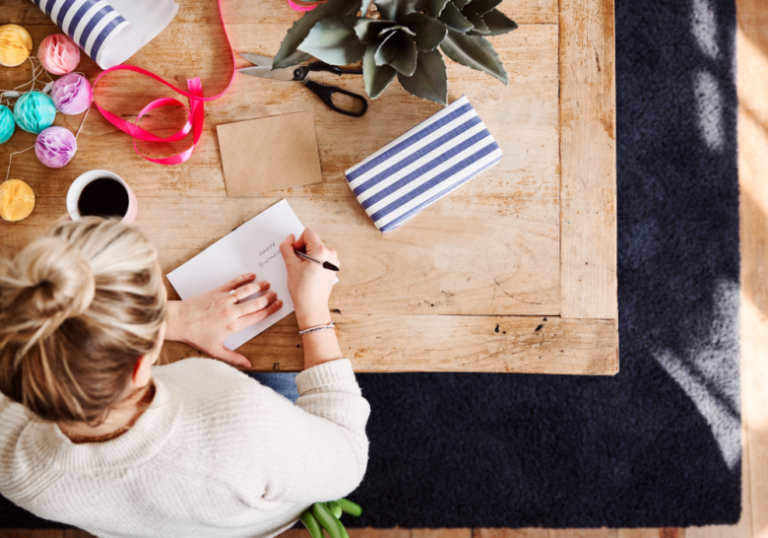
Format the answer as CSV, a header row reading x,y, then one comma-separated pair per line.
x,y
78,307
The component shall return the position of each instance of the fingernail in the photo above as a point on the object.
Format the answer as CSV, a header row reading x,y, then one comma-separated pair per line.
x,y
279,303
273,295
266,284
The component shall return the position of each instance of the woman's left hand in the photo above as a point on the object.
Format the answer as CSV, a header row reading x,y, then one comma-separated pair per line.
x,y
208,319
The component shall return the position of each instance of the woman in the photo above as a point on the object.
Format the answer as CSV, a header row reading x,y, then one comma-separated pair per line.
x,y
93,435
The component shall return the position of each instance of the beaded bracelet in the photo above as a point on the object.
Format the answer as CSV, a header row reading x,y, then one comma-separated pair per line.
x,y
331,325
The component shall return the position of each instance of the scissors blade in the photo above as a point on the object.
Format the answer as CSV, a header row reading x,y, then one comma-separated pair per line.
x,y
259,60
287,74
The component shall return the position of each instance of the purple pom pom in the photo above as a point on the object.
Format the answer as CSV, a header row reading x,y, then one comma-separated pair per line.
x,y
55,147
72,94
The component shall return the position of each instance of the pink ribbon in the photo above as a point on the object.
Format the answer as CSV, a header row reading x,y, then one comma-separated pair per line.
x,y
297,7
195,112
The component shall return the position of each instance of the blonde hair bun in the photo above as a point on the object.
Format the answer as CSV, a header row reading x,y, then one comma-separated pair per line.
x,y
78,307
59,278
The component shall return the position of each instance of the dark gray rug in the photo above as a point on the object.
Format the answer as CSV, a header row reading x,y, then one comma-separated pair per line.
x,y
659,444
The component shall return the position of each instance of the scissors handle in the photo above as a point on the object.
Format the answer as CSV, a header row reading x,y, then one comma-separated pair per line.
x,y
326,94
322,66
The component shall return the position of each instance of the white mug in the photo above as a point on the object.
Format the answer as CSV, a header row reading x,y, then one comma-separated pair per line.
x,y
73,195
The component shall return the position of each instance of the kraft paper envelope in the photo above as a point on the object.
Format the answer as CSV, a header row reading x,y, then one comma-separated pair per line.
x,y
271,153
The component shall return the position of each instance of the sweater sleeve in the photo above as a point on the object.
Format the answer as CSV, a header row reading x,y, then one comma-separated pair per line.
x,y
318,451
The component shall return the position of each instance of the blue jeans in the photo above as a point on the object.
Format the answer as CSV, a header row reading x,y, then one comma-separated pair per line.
x,y
281,383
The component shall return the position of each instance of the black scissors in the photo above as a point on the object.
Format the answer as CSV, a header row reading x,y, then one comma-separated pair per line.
x,y
263,69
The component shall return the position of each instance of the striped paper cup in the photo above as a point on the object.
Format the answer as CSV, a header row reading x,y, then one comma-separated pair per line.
x,y
109,31
428,162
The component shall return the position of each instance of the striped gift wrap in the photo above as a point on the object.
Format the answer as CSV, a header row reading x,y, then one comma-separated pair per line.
x,y
88,22
428,162
109,31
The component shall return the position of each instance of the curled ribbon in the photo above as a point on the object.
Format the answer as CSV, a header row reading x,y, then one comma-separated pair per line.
x,y
195,112
297,7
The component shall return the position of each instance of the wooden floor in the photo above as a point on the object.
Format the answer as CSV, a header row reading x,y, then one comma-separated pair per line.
x,y
753,168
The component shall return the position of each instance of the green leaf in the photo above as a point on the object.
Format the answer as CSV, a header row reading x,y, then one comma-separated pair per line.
x,y
294,58
477,22
367,30
394,28
475,52
429,32
387,8
481,7
461,3
334,41
433,8
288,54
386,51
405,60
376,77
399,51
394,10
454,20
498,23
430,80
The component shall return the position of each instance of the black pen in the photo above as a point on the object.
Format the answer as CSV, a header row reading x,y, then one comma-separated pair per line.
x,y
326,265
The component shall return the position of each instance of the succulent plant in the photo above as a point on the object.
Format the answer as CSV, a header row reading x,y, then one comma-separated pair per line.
x,y
403,42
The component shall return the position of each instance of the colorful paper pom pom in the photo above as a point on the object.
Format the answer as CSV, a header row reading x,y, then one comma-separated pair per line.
x,y
72,94
58,54
17,200
15,45
55,147
7,124
34,111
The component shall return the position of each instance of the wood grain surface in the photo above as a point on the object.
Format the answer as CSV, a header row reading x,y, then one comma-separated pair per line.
x,y
752,61
385,343
243,12
588,159
491,249
522,117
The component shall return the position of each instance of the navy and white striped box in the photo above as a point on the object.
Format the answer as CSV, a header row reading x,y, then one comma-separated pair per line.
x,y
428,162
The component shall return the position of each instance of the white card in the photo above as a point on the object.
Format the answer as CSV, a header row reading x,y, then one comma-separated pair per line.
x,y
254,247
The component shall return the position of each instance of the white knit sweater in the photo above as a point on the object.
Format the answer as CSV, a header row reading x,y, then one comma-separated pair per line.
x,y
216,454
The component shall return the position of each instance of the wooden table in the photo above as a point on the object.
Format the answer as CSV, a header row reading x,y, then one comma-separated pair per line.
x,y
513,272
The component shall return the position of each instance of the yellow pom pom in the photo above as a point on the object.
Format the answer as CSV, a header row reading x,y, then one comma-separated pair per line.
x,y
15,45
16,200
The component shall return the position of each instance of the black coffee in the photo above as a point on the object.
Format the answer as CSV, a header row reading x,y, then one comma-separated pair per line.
x,y
103,197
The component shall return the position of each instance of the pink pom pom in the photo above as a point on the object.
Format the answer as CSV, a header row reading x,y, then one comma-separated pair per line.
x,y
55,147
58,54
72,94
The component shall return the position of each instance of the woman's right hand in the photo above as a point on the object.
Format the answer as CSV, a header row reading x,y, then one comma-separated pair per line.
x,y
309,283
